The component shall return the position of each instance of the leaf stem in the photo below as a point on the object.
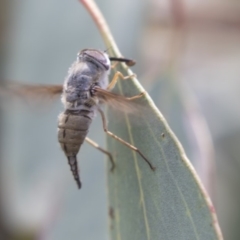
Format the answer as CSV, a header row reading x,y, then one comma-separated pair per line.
x,y
99,20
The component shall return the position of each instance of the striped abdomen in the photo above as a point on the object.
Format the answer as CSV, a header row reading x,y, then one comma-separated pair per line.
x,y
72,130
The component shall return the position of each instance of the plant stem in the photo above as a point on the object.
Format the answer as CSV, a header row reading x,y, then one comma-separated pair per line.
x,y
99,20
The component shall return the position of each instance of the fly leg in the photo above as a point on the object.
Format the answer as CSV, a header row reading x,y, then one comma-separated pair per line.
x,y
116,78
122,141
114,65
94,144
136,96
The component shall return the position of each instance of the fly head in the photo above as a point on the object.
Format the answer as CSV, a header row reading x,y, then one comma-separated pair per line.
x,y
97,57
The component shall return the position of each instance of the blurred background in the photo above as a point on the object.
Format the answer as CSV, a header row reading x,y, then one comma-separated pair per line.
x,y
188,57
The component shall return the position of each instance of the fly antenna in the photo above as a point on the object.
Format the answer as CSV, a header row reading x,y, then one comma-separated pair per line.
x,y
129,62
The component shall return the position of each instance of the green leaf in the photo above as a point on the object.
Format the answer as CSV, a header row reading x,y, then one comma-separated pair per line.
x,y
169,203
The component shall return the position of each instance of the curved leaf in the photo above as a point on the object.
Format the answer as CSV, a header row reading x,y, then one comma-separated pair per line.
x,y
169,203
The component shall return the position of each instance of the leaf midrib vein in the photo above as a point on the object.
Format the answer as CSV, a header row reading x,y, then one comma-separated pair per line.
x,y
142,197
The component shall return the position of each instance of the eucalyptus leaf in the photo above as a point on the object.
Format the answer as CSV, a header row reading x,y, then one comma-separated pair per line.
x,y
168,203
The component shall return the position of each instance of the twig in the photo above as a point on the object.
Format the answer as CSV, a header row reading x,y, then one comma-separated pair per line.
x,y
101,24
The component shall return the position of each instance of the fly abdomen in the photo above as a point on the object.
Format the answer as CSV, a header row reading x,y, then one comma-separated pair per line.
x,y
72,161
72,130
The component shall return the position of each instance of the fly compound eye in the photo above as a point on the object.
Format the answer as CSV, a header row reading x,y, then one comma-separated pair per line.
x,y
97,57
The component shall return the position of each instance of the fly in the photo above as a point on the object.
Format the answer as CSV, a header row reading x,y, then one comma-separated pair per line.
x,y
85,88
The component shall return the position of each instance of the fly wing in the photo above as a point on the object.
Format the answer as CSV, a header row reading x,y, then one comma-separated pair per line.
x,y
27,91
119,102
30,93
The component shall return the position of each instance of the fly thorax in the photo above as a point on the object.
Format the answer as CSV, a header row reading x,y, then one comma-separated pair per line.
x,y
103,80
78,84
99,75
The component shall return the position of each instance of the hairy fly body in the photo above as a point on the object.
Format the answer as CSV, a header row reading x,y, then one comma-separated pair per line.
x,y
85,88
89,71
